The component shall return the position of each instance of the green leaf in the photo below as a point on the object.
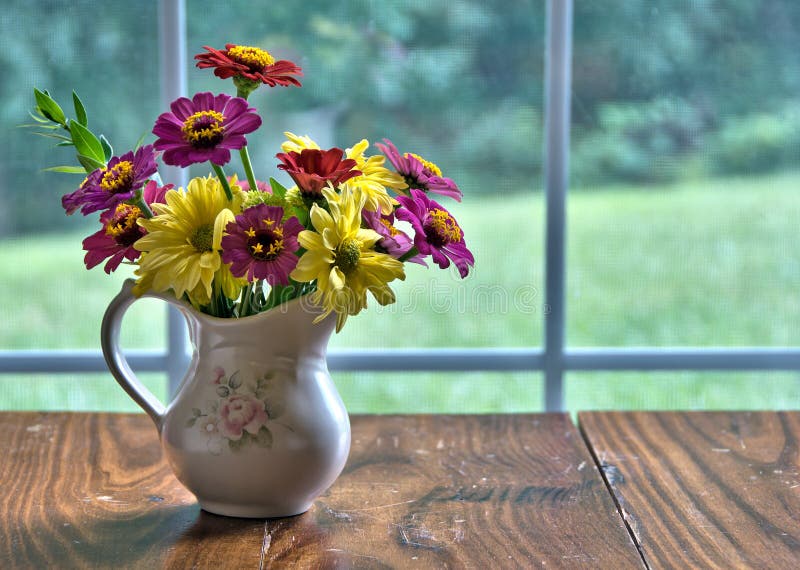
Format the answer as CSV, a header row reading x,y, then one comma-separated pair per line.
x,y
66,169
190,422
80,110
108,152
264,437
140,141
49,108
89,163
47,127
302,215
86,143
39,119
223,391
196,412
55,136
235,381
277,188
274,408
237,445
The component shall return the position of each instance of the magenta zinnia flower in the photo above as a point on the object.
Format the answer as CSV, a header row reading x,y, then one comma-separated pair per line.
x,y
207,127
119,232
257,244
436,232
313,169
106,187
260,185
393,241
418,172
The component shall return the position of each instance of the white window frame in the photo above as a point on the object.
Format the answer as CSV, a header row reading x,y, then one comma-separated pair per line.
x,y
554,359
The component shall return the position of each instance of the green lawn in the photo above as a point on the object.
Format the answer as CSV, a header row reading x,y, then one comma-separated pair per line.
x,y
710,263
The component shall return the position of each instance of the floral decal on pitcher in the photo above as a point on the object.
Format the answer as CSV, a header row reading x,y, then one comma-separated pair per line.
x,y
241,414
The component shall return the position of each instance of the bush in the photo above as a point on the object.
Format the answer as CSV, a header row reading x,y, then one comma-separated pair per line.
x,y
759,142
638,142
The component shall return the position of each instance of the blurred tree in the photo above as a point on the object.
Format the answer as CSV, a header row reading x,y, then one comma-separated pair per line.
x,y
654,82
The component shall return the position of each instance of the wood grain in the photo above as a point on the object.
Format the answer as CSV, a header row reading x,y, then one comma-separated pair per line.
x,y
93,491
704,489
460,492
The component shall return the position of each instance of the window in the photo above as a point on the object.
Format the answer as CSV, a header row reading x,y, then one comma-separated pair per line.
x,y
674,136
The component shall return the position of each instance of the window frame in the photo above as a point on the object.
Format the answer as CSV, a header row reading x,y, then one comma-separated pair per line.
x,y
553,359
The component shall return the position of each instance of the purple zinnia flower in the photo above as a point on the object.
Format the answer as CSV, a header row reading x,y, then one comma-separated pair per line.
x,y
204,128
119,232
393,241
107,187
418,172
436,232
257,244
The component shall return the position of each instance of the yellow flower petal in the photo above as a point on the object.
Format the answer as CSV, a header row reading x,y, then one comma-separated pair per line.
x,y
170,260
320,219
336,278
297,143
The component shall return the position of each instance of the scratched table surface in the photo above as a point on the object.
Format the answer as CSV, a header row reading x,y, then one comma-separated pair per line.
x,y
628,491
704,489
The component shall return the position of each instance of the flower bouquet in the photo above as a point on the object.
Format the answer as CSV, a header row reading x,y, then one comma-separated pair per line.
x,y
233,247
257,428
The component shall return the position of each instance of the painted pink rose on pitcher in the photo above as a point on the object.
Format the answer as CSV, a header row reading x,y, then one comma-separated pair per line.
x,y
241,413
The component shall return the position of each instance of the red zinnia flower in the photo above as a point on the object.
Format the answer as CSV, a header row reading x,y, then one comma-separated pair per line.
x,y
313,169
250,63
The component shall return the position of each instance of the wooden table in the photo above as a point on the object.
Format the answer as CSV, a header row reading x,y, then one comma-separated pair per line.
x,y
630,490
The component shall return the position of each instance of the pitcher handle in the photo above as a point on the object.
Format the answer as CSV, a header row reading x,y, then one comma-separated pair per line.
x,y
117,364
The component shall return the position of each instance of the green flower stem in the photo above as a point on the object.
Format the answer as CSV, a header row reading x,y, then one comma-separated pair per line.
x,y
282,294
248,167
273,299
244,305
409,254
140,203
244,86
223,180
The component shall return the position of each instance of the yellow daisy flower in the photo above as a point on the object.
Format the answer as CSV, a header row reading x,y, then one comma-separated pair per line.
x,y
375,177
296,143
181,250
341,258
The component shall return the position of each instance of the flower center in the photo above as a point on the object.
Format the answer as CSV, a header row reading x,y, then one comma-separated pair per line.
x,y
426,164
393,231
202,239
254,58
204,129
122,225
347,255
266,244
440,228
118,178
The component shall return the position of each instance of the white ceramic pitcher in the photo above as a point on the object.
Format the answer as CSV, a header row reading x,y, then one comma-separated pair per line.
x,y
257,427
